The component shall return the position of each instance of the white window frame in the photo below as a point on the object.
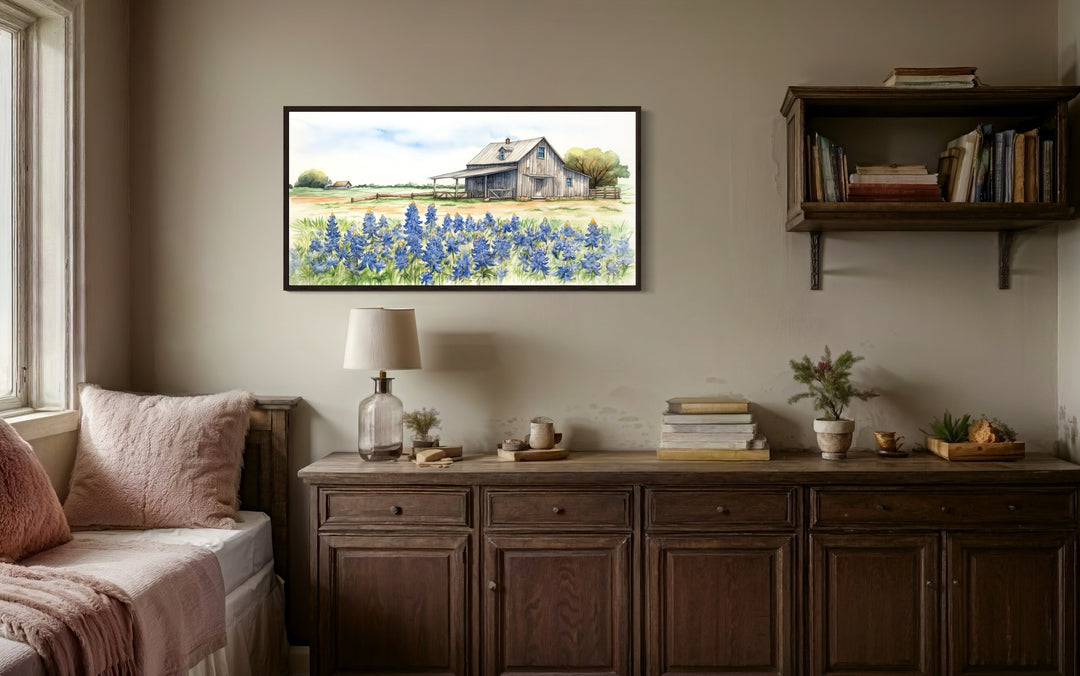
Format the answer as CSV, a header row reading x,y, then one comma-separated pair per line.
x,y
49,206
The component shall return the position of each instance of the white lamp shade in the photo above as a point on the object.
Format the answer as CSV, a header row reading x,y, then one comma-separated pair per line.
x,y
381,339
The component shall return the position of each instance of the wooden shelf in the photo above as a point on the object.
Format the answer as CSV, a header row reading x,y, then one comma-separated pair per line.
x,y
925,217
804,108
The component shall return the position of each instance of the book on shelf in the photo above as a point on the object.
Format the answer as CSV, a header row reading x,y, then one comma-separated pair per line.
x,y
691,438
981,181
705,418
826,170
743,423
728,444
1019,141
894,192
714,453
1007,166
960,178
887,169
707,405
1031,165
943,77
1046,171
997,170
878,179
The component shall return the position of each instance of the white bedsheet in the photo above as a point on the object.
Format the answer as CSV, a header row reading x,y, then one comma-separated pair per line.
x,y
241,552
253,601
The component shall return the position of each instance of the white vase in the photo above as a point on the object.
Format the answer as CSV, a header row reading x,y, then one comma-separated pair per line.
x,y
834,437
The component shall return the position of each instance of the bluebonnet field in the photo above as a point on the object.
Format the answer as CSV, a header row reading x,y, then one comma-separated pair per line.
x,y
457,251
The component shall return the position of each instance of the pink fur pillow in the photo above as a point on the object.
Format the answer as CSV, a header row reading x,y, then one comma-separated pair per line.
x,y
31,519
150,461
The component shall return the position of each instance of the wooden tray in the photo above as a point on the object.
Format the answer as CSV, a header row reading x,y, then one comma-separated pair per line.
x,y
534,454
974,452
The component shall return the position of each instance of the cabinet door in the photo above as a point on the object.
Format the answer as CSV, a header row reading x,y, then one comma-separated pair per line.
x,y
557,604
719,604
874,604
1011,603
392,604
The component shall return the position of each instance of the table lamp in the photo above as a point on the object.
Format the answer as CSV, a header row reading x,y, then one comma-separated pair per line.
x,y
381,339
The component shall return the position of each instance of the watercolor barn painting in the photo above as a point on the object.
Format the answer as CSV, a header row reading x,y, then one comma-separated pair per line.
x,y
462,198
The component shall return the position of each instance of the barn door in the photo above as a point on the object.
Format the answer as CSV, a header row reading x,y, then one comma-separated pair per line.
x,y
538,187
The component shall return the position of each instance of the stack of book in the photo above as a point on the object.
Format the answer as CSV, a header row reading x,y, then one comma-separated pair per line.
x,y
1004,166
826,170
707,428
893,183
953,77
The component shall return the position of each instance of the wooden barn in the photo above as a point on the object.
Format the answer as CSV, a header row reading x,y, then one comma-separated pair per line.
x,y
527,169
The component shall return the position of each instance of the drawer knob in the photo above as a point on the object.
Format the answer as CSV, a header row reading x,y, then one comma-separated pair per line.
x,y
721,509
556,510
395,510
956,583
945,509
1012,508
881,508
491,585
929,583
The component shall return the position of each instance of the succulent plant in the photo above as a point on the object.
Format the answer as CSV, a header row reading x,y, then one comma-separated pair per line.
x,y
949,429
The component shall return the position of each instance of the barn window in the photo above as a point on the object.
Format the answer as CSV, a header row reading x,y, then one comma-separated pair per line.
x,y
502,154
569,181
540,153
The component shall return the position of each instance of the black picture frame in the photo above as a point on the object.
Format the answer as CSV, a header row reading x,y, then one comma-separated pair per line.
x,y
514,219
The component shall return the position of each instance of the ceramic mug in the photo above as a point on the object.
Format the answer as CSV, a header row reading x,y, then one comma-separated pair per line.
x,y
541,433
888,441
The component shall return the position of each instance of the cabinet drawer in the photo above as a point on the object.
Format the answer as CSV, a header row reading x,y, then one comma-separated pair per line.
x,y
555,508
721,508
394,506
1047,506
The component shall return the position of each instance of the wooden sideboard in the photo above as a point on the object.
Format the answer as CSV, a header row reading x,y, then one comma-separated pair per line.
x,y
617,563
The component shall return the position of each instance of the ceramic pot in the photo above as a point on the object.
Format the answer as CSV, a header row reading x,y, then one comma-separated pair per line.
x,y
425,441
834,437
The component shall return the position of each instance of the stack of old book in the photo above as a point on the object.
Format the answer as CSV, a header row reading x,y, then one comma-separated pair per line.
x,y
949,77
893,183
708,428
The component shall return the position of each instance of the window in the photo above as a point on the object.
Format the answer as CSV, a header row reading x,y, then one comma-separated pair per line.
x,y
502,154
39,260
540,152
569,181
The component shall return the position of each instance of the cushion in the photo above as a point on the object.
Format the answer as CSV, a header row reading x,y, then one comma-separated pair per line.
x,y
151,461
31,519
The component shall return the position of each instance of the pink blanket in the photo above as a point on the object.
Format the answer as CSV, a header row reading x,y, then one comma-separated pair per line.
x,y
176,594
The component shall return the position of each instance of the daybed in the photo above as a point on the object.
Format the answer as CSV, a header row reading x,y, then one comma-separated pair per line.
x,y
252,608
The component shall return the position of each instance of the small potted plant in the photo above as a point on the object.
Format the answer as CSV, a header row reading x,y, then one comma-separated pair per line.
x,y
961,438
830,388
421,422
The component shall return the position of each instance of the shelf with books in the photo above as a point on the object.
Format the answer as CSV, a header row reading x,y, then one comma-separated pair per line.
x,y
871,121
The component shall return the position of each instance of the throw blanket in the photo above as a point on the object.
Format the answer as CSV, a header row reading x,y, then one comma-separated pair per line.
x,y
176,592
78,624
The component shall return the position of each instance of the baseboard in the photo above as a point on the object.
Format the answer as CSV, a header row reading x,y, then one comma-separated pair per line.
x,y
299,665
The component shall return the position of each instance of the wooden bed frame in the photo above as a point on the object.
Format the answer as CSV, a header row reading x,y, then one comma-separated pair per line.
x,y
264,484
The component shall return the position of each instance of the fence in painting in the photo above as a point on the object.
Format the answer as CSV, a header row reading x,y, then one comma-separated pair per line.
x,y
609,193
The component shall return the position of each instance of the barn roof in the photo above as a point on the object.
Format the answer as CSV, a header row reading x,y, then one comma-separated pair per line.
x,y
515,151
465,173
337,183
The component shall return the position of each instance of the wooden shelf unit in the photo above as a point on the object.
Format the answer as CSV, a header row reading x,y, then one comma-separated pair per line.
x,y
1026,106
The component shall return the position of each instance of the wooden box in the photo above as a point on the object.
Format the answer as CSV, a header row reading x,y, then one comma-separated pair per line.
x,y
967,451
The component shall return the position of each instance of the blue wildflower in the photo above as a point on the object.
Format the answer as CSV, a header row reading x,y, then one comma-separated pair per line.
x,y
500,247
401,258
459,223
412,221
370,261
482,253
433,254
469,225
538,261
612,268
590,262
565,273
369,224
426,278
461,268
489,221
430,215
501,273
333,235
545,230
592,235
453,244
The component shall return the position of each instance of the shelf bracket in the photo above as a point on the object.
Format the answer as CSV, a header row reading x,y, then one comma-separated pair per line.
x,y
815,260
1005,242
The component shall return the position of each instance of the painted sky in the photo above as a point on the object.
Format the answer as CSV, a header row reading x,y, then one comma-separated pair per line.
x,y
386,148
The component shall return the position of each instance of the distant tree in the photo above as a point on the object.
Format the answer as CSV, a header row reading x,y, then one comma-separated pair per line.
x,y
601,166
312,178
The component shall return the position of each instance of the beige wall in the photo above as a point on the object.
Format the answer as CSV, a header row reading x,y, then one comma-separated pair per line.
x,y
1069,250
725,301
107,222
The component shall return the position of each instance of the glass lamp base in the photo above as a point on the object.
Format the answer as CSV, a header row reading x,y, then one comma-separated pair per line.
x,y
382,454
